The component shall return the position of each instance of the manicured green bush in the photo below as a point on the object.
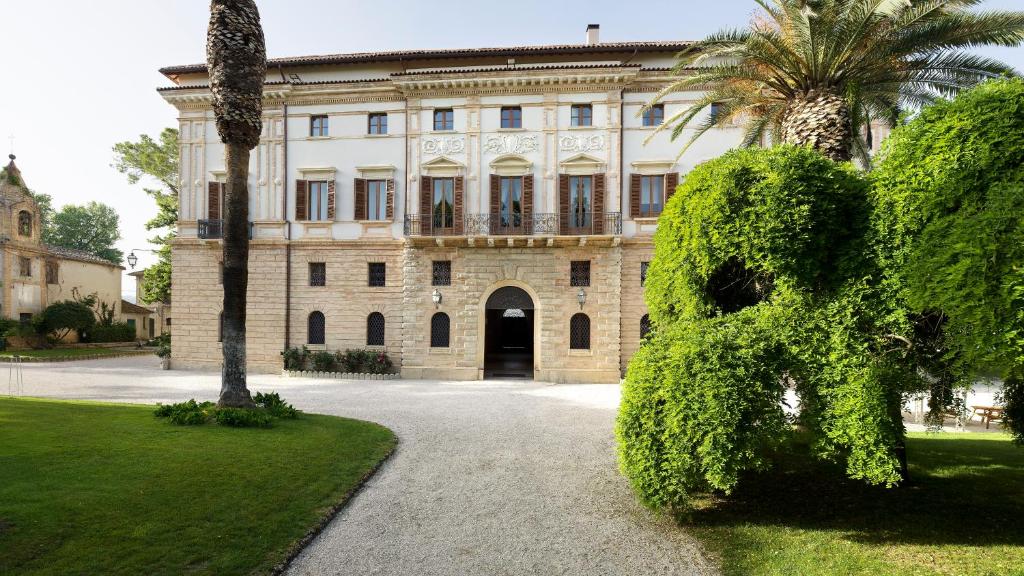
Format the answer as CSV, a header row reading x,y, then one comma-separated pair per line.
x,y
295,358
364,362
322,361
948,194
759,281
61,318
116,332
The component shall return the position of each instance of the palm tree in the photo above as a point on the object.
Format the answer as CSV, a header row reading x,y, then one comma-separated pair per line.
x,y
237,62
817,72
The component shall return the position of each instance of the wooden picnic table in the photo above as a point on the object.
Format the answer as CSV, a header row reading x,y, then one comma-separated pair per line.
x,y
987,413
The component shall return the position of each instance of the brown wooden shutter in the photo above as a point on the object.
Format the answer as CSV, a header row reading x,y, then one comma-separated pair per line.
x,y
301,200
634,195
563,203
671,181
460,188
495,194
599,191
528,200
359,186
391,200
330,201
426,187
213,198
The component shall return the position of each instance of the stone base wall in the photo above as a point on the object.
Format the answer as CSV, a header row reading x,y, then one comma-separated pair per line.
x,y
632,301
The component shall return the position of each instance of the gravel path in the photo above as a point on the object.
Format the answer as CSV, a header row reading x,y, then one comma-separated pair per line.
x,y
495,477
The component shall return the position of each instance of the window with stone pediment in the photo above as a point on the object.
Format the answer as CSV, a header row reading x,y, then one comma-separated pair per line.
x,y
25,223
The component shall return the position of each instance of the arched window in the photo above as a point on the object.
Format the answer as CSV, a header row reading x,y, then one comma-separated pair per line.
x,y
579,332
25,223
375,329
645,326
440,329
317,325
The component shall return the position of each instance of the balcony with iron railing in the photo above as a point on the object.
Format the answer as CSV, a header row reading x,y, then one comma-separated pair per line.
x,y
214,229
496,224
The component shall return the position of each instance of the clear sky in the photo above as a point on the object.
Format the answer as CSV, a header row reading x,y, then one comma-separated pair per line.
x,y
79,76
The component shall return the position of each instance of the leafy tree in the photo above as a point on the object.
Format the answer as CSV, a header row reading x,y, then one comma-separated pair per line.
x,y
949,227
815,72
61,318
760,281
91,227
237,63
158,161
44,202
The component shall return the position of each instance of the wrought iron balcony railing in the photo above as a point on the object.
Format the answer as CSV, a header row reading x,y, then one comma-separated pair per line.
x,y
214,229
497,224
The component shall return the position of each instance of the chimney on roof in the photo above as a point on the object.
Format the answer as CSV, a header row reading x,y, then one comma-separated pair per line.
x,y
593,34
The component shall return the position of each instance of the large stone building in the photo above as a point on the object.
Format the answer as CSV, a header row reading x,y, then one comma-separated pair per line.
x,y
472,212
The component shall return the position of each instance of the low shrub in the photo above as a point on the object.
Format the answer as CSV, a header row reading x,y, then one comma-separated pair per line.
x,y
364,362
269,407
275,406
323,361
295,358
117,332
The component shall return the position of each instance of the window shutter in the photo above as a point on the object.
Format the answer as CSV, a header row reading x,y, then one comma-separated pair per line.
x,y
330,201
563,203
634,195
671,181
528,200
359,186
301,200
495,194
460,187
599,190
426,185
213,199
391,200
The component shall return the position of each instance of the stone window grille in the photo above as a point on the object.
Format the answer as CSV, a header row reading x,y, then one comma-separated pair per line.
x,y
579,332
442,273
377,274
375,329
440,330
318,274
579,273
317,325
645,326
643,273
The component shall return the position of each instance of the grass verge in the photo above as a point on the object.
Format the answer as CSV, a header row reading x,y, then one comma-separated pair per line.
x,y
961,514
54,353
91,488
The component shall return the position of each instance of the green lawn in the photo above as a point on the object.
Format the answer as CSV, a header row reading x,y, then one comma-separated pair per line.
x,y
962,514
91,488
70,352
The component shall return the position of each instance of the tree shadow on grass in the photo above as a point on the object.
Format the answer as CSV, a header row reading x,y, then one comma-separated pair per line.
x,y
962,491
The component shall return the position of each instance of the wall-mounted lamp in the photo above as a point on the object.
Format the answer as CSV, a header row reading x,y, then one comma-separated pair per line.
x,y
436,297
581,297
133,259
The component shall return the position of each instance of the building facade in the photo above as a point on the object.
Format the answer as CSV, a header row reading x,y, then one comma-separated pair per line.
x,y
472,213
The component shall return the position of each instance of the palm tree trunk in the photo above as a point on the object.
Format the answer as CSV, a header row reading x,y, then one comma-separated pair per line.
x,y
821,120
233,390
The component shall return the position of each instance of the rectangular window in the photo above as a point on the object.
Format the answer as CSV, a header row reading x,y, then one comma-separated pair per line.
x,y
444,119
582,115
377,199
25,317
131,322
442,273
652,195
378,123
318,126
511,117
168,321
317,208
511,202
716,109
25,264
643,273
580,194
52,272
377,274
579,273
443,205
318,274
655,115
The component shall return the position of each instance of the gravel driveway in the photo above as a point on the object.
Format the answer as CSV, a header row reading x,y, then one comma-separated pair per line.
x,y
494,477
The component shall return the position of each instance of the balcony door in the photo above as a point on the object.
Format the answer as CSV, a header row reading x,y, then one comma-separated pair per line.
x,y
443,204
581,196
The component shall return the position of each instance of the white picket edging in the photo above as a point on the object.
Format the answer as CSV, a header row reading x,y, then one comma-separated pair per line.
x,y
338,375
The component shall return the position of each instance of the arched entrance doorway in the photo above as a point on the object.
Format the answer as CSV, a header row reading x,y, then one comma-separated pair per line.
x,y
508,334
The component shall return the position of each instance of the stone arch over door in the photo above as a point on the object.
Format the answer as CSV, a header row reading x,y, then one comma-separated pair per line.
x,y
537,307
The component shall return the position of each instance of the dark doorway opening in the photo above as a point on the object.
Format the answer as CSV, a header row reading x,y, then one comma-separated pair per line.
x,y
508,341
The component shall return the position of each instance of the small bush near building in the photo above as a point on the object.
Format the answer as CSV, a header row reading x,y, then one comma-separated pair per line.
x,y
116,332
323,361
61,318
191,413
295,358
349,361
